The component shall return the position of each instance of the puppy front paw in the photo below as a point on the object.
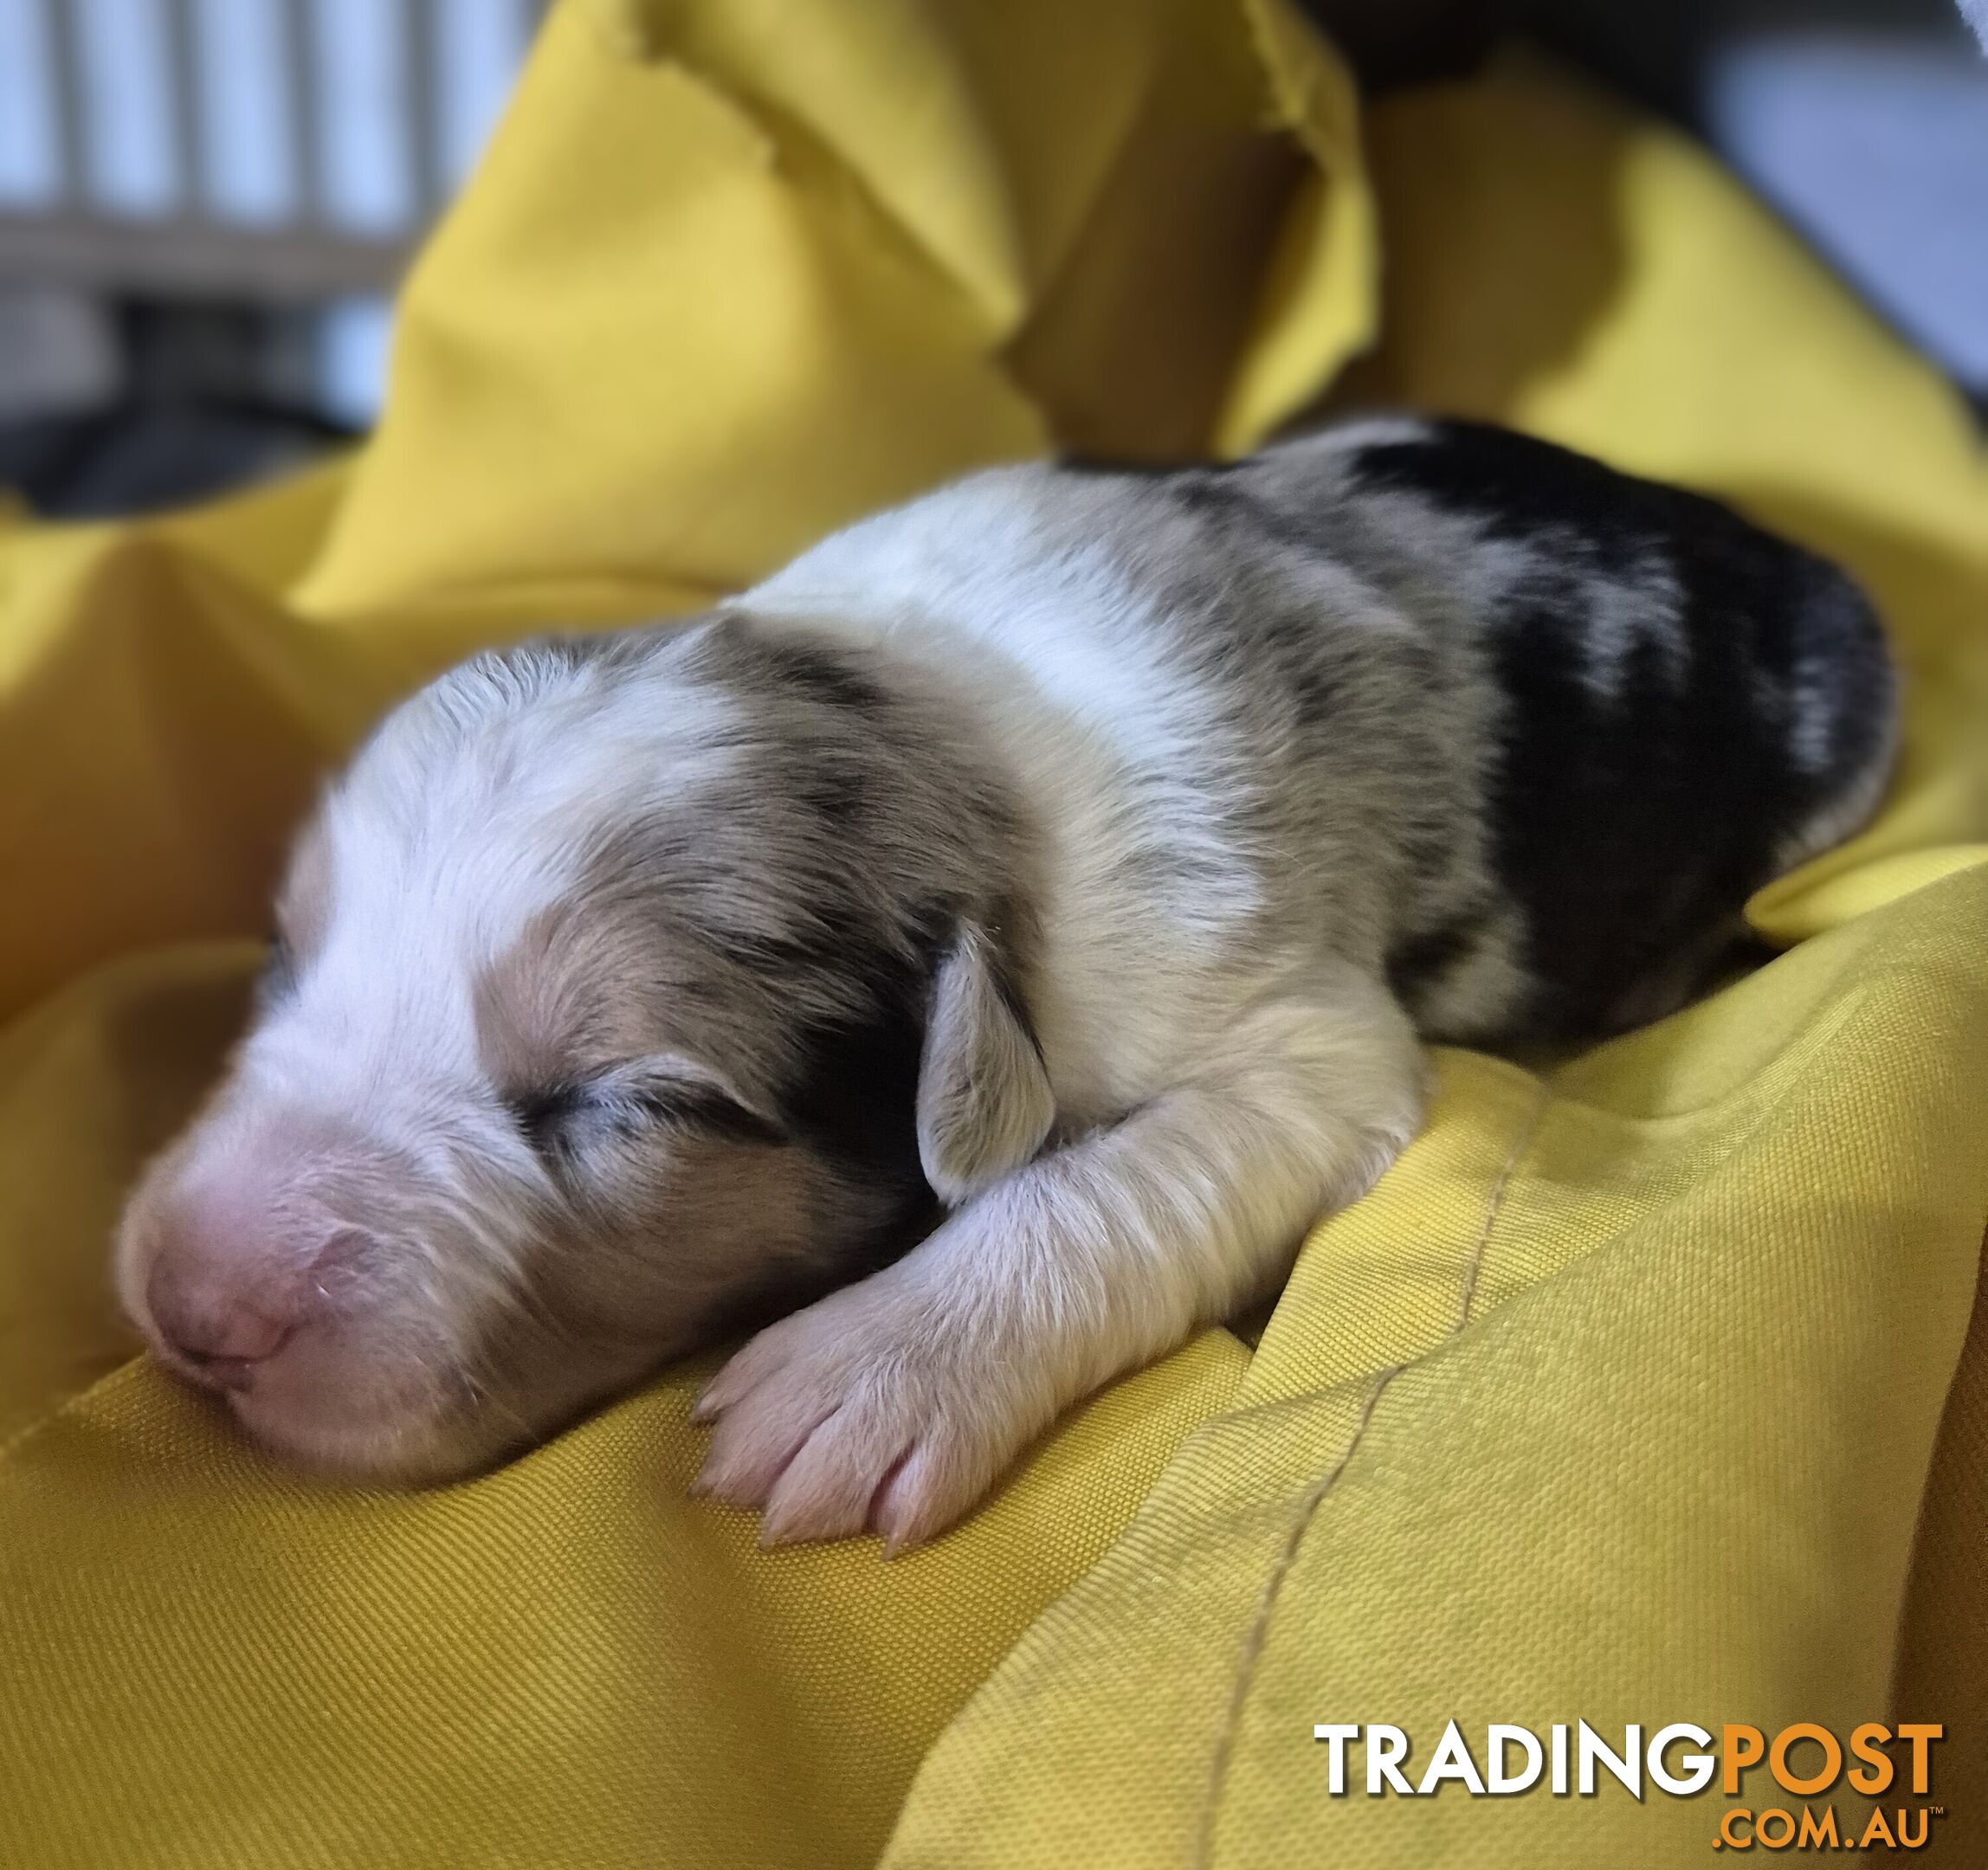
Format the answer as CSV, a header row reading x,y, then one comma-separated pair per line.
x,y
868,1411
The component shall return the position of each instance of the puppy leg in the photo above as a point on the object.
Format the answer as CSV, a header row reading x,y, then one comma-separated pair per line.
x,y
896,1403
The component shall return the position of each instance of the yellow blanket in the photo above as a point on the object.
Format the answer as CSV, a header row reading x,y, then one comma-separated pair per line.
x,y
1630,1395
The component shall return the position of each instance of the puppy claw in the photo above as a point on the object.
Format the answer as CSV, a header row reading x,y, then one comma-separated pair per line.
x,y
927,1496
899,1537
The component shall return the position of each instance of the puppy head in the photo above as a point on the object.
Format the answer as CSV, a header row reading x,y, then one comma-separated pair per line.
x,y
595,1018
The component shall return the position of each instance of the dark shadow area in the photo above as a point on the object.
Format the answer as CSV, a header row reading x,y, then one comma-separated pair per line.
x,y
210,394
208,397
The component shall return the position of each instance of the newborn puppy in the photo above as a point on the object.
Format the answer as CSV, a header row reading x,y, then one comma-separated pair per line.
x,y
1008,928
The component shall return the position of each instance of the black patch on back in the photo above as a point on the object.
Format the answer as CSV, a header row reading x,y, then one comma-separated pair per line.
x,y
839,796
812,671
1630,828
1518,486
1205,486
1288,638
1417,963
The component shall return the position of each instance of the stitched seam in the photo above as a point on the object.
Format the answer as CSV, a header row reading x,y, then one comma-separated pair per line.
x,y
1495,1205
1260,1624
1259,1632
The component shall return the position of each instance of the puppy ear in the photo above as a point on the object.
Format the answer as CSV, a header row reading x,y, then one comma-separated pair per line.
x,y
983,1099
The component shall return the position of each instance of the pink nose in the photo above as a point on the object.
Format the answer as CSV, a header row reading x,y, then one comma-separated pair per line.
x,y
204,1322
222,1292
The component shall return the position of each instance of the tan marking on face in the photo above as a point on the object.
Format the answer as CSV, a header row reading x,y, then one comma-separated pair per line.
x,y
558,1004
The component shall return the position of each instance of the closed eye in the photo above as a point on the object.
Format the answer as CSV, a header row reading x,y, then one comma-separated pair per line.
x,y
561,1120
541,1115
703,1108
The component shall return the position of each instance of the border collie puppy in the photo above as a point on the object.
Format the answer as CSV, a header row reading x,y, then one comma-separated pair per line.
x,y
1001,935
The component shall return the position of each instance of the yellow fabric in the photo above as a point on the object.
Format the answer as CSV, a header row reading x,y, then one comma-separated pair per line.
x,y
734,273
1621,1397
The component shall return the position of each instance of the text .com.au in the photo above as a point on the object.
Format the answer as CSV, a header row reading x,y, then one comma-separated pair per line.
x,y
1775,1789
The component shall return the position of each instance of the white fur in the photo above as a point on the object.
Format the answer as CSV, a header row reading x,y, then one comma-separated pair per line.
x,y
1264,1088
1112,753
1150,800
896,1403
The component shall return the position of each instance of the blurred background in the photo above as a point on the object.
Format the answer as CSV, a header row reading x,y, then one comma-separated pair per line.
x,y
204,204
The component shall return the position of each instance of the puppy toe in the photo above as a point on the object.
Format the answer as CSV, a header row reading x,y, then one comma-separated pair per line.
x,y
930,1492
753,1444
743,1372
826,1490
856,1414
